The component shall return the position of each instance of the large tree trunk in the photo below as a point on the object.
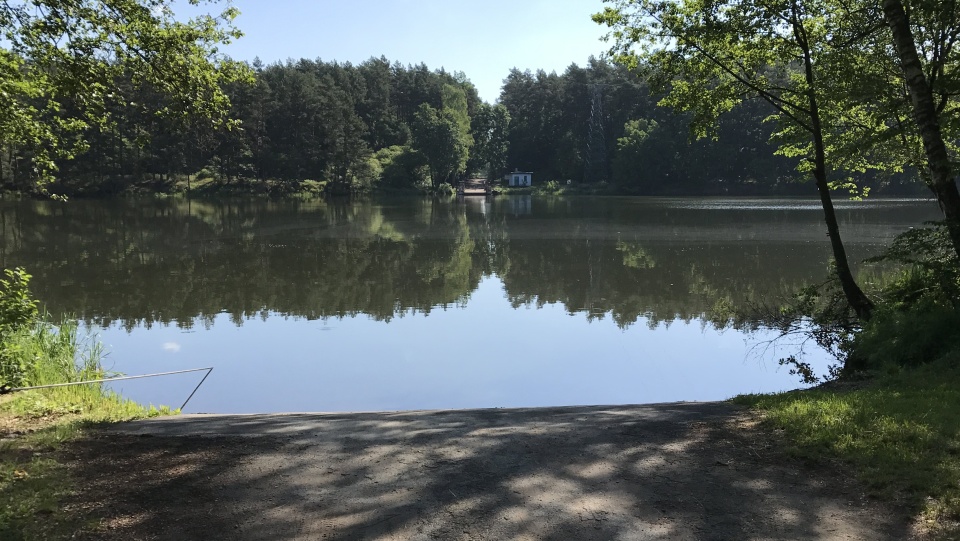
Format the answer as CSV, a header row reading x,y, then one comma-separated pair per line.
x,y
857,300
942,181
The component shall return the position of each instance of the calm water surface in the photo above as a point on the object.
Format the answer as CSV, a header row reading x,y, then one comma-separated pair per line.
x,y
414,303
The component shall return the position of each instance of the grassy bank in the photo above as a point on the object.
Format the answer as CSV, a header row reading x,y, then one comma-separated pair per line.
x,y
899,432
34,478
35,424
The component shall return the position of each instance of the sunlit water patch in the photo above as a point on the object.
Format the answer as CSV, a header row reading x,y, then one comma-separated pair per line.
x,y
791,204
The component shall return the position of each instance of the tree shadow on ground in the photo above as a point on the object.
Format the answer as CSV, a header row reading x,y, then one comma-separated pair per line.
x,y
680,471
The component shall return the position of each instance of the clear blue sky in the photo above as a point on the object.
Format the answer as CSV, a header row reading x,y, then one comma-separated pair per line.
x,y
483,39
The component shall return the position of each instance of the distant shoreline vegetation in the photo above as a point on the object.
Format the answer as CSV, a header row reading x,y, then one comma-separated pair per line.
x,y
202,185
313,127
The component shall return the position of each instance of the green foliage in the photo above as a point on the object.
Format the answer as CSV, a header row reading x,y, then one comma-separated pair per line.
x,y
818,312
551,187
439,136
33,481
918,320
17,308
308,119
364,173
490,127
709,56
901,434
454,107
34,352
550,115
207,173
933,270
828,68
635,133
444,190
402,167
43,354
18,315
637,161
62,64
919,333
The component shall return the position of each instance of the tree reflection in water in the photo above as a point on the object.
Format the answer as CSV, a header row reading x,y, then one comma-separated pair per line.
x,y
137,262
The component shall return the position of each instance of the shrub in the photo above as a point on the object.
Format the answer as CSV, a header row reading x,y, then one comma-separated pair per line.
x,y
18,314
932,267
17,308
918,317
34,351
910,335
402,167
209,172
551,187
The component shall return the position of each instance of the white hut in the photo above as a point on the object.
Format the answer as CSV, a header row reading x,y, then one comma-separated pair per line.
x,y
519,178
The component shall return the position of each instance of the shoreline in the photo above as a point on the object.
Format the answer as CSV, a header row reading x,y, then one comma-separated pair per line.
x,y
230,424
506,409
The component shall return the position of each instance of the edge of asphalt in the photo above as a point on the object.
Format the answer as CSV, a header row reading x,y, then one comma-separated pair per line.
x,y
287,424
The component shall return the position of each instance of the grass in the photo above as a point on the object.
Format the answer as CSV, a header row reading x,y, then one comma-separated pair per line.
x,y
900,433
34,425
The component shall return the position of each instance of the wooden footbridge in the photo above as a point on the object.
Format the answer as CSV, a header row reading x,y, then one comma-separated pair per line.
x,y
475,186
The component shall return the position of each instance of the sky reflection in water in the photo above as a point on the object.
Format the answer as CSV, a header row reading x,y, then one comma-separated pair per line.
x,y
486,354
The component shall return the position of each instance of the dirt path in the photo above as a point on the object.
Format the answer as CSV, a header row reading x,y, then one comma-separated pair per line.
x,y
668,471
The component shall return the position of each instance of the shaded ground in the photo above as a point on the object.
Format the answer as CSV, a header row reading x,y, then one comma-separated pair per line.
x,y
668,471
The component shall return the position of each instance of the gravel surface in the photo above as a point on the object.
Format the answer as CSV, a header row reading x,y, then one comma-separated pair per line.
x,y
697,471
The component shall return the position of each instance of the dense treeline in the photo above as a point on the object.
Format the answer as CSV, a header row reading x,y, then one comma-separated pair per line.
x,y
601,123
383,125
347,125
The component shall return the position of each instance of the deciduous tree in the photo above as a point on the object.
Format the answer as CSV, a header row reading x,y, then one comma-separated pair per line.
x,y
56,53
441,141
709,55
490,127
932,82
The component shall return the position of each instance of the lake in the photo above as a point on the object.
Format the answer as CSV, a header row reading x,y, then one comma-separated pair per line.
x,y
415,303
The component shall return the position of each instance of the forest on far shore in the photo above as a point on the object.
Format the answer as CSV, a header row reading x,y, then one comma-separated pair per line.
x,y
384,126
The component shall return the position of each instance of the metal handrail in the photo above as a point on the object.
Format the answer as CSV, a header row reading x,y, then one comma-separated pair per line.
x,y
7,390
